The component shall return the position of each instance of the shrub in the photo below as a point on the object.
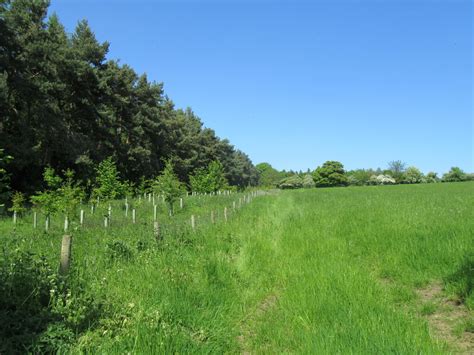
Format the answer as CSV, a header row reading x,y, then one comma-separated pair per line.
x,y
381,180
412,176
308,181
292,182
431,177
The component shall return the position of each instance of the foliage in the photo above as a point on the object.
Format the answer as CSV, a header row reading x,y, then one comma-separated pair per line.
x,y
108,185
396,168
331,173
69,195
308,181
169,186
209,180
381,180
94,106
4,177
292,182
454,175
267,175
431,177
39,314
18,203
60,195
412,175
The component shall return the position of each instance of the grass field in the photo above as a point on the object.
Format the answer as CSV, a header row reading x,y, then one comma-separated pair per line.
x,y
343,270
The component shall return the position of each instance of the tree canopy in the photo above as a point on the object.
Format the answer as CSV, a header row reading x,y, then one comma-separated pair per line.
x,y
64,104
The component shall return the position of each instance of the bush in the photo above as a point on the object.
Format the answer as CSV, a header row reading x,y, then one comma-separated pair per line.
x,y
292,182
308,181
412,176
454,175
381,180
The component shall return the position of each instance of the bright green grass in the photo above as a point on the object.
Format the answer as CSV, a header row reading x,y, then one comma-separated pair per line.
x,y
308,271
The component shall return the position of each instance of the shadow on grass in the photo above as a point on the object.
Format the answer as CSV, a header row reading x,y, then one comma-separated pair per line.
x,y
463,280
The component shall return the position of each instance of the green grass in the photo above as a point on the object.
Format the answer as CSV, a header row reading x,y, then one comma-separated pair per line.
x,y
323,270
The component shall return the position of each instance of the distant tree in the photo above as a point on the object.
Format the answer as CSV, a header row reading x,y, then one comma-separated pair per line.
x,y
170,186
454,175
331,173
412,175
396,169
268,176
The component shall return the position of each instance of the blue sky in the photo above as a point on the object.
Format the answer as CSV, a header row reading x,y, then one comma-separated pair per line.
x,y
296,83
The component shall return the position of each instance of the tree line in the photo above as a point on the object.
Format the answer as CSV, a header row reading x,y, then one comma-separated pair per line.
x,y
65,105
332,173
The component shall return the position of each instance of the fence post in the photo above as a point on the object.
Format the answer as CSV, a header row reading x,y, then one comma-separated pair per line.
x,y
35,220
134,216
154,212
46,224
81,218
181,203
66,224
64,263
193,222
126,210
14,217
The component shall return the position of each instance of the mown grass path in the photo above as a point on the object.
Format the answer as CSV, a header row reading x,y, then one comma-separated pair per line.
x,y
344,266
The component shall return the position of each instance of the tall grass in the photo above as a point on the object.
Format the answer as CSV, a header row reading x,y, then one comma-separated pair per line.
x,y
323,270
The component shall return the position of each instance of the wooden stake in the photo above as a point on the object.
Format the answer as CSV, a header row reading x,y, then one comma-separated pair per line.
x,y
14,217
154,212
65,261
35,220
81,218
66,224
156,230
46,224
133,216
212,217
233,205
106,222
193,223
126,210
181,203
225,214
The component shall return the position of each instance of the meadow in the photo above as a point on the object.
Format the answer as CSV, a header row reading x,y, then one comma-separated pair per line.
x,y
377,269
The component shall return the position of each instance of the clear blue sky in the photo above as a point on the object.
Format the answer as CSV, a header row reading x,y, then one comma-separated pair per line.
x,y
296,83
